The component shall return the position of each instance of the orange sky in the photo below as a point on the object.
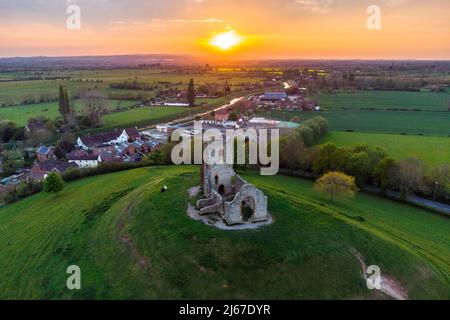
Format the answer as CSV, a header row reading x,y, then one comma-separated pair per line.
x,y
272,28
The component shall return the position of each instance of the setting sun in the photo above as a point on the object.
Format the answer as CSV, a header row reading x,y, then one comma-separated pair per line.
x,y
226,40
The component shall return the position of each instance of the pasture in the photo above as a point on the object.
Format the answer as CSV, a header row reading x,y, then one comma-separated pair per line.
x,y
375,121
15,92
133,242
145,116
21,114
433,150
385,100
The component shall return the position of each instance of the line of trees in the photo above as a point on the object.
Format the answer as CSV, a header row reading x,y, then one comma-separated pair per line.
x,y
369,166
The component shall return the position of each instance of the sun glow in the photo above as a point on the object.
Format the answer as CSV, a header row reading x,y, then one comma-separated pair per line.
x,y
226,40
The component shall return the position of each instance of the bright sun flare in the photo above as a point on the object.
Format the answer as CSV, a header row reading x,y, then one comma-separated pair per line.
x,y
226,40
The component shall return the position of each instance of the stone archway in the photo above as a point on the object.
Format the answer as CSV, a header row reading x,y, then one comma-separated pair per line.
x,y
248,209
221,190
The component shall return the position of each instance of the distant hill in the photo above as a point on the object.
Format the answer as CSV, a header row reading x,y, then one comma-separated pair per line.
x,y
92,61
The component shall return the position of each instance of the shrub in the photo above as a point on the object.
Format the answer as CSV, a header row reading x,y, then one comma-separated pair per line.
x,y
53,183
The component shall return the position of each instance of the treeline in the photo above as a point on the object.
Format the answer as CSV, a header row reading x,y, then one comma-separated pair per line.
x,y
45,98
369,166
133,85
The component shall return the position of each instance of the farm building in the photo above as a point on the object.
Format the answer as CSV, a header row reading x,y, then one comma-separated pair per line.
x,y
274,96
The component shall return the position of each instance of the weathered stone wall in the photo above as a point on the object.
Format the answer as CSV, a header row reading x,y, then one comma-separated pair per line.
x,y
225,176
237,190
233,209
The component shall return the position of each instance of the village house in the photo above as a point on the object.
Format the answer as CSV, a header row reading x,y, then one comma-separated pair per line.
x,y
41,170
45,153
108,157
84,161
274,97
164,128
126,149
115,137
103,148
222,115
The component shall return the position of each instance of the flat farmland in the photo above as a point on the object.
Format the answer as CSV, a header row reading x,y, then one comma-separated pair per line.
x,y
21,114
376,121
426,101
145,116
432,150
15,92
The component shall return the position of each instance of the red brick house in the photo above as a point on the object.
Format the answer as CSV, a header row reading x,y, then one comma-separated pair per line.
x,y
45,153
40,170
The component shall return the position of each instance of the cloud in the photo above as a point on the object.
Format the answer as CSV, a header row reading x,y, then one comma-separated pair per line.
x,y
319,6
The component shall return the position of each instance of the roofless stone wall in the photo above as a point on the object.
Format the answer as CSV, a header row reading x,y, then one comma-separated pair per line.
x,y
231,196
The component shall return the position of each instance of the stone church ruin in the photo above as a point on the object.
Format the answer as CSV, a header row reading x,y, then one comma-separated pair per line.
x,y
230,196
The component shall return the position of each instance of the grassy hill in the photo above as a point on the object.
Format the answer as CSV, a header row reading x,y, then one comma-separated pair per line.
x,y
432,150
132,241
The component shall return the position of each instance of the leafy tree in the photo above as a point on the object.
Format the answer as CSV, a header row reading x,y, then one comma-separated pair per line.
x,y
191,93
53,183
7,131
306,134
291,150
359,167
155,158
337,184
383,173
325,160
12,160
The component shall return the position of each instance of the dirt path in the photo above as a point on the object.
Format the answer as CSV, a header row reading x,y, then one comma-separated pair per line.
x,y
389,286
125,238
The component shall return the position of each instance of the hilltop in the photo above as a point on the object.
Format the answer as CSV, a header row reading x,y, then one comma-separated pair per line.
x,y
133,242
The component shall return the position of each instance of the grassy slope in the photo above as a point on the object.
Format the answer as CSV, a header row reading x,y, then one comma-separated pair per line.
x,y
433,150
144,246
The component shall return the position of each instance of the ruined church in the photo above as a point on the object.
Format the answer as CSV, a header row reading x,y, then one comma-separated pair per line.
x,y
233,198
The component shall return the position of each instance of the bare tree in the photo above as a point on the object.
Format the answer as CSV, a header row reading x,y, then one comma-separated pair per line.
x,y
95,105
410,176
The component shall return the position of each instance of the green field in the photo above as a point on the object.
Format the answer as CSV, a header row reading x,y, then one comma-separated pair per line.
x,y
21,114
397,122
133,242
433,150
145,116
14,92
426,101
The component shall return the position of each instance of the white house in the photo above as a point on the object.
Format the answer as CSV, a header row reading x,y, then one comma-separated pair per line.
x,y
85,161
108,138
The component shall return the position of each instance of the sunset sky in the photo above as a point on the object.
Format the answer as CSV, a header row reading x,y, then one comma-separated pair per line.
x,y
412,29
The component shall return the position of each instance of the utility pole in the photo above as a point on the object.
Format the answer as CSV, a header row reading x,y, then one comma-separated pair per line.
x,y
435,190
